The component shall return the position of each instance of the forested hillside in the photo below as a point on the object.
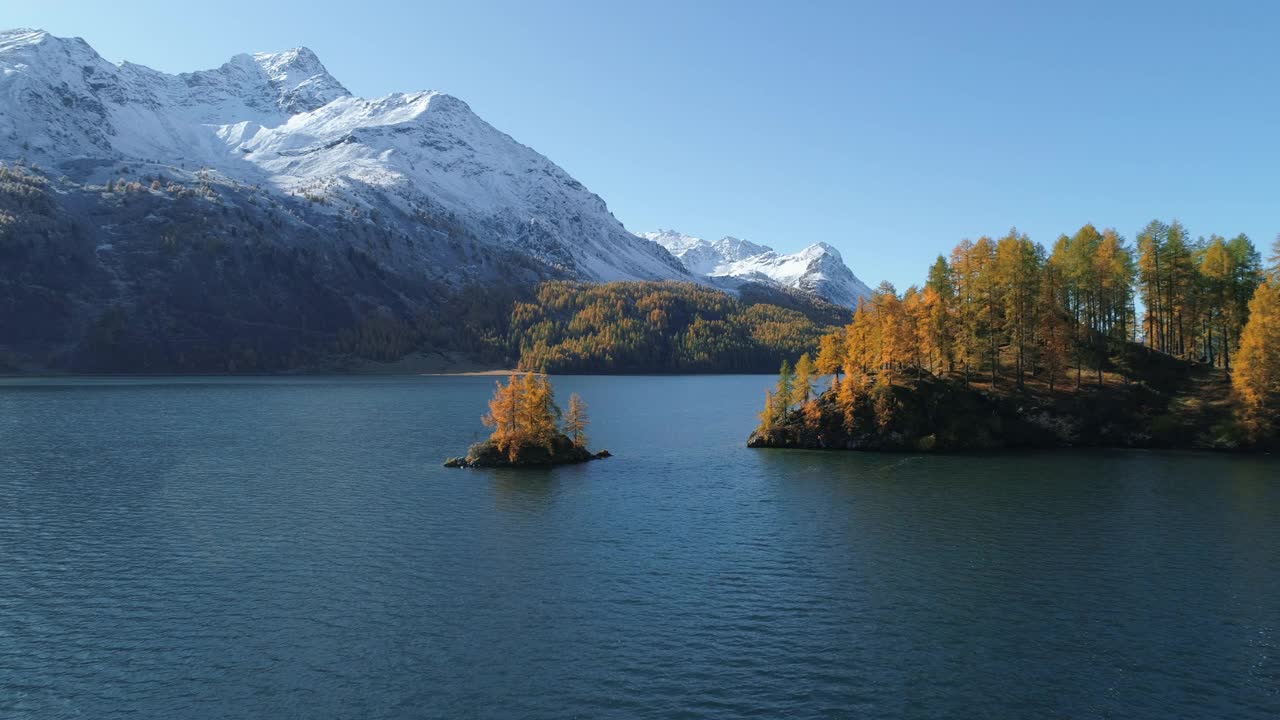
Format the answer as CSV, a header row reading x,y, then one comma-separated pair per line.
x,y
646,327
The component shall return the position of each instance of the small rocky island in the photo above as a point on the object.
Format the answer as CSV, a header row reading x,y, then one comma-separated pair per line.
x,y
523,415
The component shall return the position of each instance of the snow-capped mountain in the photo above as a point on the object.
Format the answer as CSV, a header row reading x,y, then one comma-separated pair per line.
x,y
817,269
421,166
706,257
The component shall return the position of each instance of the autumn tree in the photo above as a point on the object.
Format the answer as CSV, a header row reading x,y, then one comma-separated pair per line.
x,y
1219,319
938,334
1257,375
656,327
862,348
504,416
1009,306
769,415
1151,282
913,317
786,386
1017,277
538,412
849,392
1167,280
1114,269
831,354
1053,332
975,304
891,329
522,414
576,421
1235,282
989,301
802,382
1181,278
778,401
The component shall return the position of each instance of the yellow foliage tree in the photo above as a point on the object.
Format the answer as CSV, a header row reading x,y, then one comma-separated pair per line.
x,y
769,413
502,415
1257,374
849,391
802,384
538,412
522,414
812,414
575,423
861,347
831,354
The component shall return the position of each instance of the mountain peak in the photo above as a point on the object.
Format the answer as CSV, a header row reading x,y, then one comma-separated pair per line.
x,y
300,79
451,194
22,36
41,41
818,269
819,249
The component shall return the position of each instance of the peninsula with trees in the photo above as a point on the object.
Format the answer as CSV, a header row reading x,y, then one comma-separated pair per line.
x,y
1171,343
529,429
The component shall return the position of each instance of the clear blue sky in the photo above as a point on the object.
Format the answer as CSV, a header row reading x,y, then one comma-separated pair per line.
x,y
890,130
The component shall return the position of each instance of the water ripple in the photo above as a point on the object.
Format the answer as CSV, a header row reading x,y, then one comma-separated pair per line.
x,y
291,548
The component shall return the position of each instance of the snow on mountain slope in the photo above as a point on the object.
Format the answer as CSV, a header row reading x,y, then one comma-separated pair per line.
x,y
817,269
705,257
282,122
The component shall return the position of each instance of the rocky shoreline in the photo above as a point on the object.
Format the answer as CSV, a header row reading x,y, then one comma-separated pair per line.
x,y
944,415
562,452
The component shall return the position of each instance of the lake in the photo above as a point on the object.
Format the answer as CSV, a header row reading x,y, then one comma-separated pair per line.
x,y
292,548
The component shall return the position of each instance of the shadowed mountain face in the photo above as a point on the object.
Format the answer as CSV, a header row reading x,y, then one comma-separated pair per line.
x,y
260,200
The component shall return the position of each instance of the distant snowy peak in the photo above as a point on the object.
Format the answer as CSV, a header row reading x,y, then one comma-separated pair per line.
x,y
281,122
817,269
705,257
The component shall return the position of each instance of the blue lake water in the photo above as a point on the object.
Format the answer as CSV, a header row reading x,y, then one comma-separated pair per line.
x,y
291,548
